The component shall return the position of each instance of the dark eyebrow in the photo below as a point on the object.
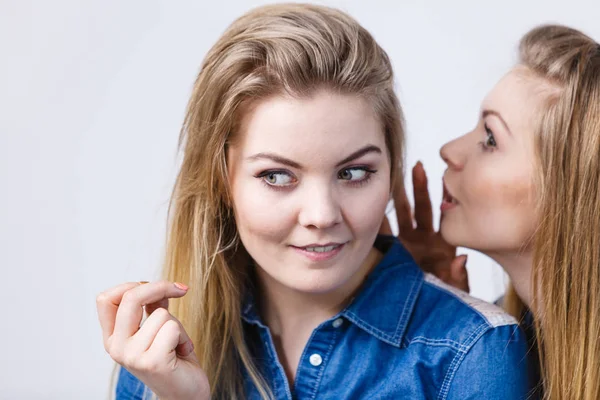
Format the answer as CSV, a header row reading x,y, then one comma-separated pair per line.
x,y
285,161
485,113
359,153
276,158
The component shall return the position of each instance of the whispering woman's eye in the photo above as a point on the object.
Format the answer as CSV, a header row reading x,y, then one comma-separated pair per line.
x,y
355,174
277,178
489,144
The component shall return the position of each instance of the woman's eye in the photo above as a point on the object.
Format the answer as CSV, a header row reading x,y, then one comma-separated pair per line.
x,y
277,178
353,174
490,140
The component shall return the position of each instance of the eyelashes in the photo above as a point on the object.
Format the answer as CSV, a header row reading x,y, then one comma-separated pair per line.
x,y
489,144
356,175
282,179
277,178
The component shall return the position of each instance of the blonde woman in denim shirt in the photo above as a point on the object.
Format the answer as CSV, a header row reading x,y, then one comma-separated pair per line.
x,y
292,139
523,187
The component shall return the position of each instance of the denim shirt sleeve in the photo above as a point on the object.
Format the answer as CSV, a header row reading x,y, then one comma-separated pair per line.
x,y
494,368
130,388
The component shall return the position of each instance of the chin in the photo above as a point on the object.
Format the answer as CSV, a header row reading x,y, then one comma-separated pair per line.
x,y
463,238
451,235
319,281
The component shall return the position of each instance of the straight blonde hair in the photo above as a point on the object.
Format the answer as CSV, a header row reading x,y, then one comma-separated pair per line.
x,y
285,49
566,266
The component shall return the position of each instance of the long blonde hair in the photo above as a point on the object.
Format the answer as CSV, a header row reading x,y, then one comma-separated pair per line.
x,y
291,49
566,265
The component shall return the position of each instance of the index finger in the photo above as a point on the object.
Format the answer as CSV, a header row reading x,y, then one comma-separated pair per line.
x,y
130,312
423,210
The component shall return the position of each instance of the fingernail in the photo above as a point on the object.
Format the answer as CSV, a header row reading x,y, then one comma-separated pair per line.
x,y
465,260
143,282
181,286
419,164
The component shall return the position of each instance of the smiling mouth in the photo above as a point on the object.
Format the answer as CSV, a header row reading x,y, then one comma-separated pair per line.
x,y
321,249
320,252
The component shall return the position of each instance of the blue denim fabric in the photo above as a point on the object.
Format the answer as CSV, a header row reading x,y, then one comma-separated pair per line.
x,y
406,335
527,323
535,373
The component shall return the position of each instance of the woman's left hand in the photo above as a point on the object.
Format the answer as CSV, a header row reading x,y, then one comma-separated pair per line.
x,y
429,249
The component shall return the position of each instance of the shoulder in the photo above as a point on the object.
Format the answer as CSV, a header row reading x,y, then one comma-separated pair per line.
x,y
490,313
447,314
486,349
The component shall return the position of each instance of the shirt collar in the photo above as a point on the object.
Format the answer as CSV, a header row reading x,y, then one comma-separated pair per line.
x,y
386,300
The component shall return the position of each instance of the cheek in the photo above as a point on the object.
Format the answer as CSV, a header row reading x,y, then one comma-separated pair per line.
x,y
261,213
496,211
364,211
499,189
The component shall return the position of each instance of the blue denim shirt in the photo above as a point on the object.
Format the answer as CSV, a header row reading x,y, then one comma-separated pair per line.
x,y
527,323
405,335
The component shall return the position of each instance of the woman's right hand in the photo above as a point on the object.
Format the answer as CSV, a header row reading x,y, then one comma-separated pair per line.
x,y
159,352
417,234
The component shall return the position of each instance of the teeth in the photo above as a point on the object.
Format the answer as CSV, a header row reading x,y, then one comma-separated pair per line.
x,y
321,249
450,199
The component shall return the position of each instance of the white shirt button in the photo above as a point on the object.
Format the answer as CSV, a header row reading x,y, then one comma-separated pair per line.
x,y
338,322
315,360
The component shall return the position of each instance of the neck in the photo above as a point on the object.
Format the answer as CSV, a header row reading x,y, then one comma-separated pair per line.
x,y
518,266
284,308
292,315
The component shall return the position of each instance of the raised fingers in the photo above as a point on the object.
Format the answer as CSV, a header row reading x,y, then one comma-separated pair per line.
x,y
107,304
423,210
143,338
403,209
130,311
172,337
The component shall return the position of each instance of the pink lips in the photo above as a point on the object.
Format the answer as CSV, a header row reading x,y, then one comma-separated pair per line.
x,y
320,256
448,202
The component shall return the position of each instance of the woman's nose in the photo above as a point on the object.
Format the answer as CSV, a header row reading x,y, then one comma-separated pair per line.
x,y
320,210
453,154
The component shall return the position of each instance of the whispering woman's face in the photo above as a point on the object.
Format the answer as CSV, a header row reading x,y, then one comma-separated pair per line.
x,y
489,200
310,180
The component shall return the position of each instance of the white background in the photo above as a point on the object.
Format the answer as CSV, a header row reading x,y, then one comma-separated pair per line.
x,y
92,95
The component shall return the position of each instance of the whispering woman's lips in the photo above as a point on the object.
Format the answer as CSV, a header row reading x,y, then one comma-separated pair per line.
x,y
448,201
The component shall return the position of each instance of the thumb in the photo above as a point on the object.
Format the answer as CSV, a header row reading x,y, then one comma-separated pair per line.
x,y
458,272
